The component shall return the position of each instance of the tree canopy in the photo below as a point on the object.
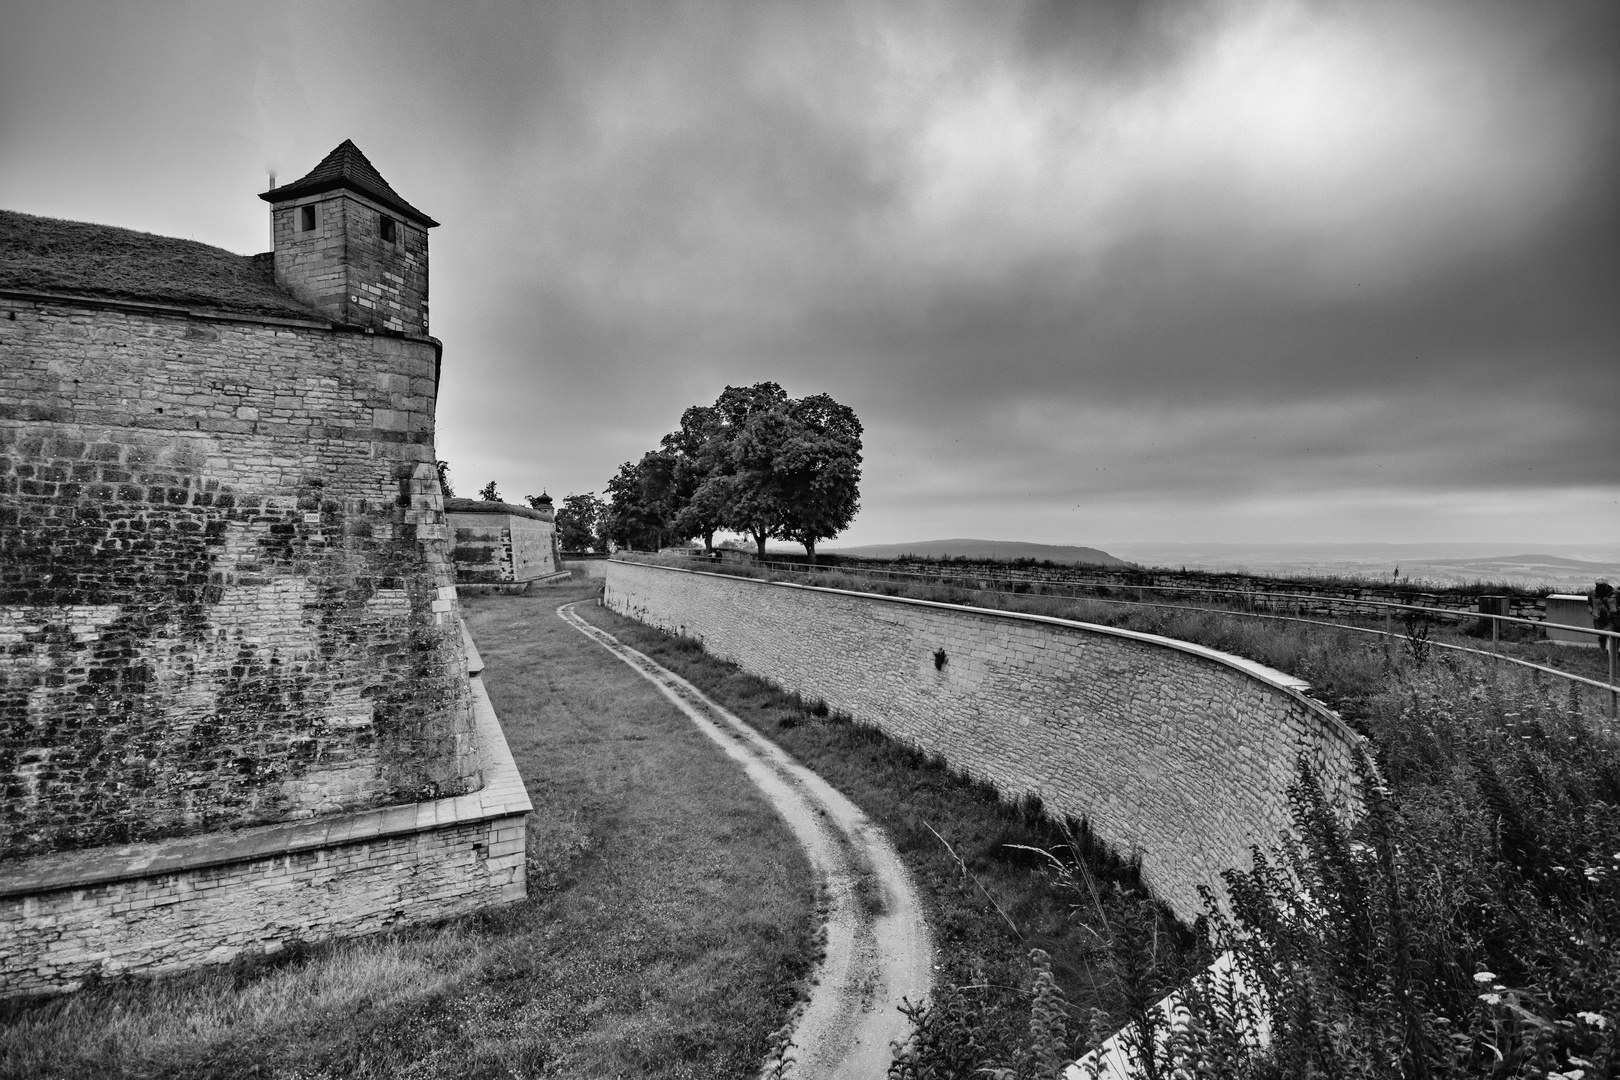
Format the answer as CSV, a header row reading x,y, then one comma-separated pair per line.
x,y
754,462
579,523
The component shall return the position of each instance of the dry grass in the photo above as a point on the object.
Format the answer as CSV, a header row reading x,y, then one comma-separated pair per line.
x,y
669,925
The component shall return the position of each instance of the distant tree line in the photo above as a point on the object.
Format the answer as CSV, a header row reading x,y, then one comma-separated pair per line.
x,y
756,462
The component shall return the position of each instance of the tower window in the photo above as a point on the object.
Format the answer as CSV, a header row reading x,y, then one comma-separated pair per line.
x,y
387,226
306,218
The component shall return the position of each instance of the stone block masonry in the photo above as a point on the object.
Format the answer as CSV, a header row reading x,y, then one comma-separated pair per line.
x,y
235,706
348,269
1177,752
154,908
226,598
501,544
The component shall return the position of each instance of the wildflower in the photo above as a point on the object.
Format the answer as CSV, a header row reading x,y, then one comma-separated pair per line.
x,y
1597,1020
1491,999
1484,976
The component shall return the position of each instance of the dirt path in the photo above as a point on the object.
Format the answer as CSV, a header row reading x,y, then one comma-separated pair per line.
x,y
878,948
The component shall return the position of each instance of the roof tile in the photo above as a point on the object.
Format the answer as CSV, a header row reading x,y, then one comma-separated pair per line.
x,y
347,167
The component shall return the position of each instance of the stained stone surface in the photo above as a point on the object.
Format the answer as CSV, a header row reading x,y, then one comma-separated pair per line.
x,y
1172,750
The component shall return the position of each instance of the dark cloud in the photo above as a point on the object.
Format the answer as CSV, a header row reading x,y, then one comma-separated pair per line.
x,y
1106,267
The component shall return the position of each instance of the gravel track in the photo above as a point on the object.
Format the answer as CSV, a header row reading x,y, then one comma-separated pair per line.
x,y
878,948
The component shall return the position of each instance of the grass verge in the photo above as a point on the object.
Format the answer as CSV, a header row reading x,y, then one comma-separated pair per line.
x,y
669,925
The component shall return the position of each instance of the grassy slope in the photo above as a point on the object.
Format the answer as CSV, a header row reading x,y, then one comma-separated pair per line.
x,y
668,927
912,798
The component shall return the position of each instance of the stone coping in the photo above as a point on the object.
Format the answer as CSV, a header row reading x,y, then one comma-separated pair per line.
x,y
1287,684
475,662
510,588
503,795
455,505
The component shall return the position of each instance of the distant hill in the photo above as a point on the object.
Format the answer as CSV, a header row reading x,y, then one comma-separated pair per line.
x,y
1561,566
1007,550
1584,566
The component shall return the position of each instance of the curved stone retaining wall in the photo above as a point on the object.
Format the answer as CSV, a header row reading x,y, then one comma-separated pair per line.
x,y
1177,751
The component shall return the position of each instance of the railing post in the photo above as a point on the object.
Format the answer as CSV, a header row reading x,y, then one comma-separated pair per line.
x,y
1614,695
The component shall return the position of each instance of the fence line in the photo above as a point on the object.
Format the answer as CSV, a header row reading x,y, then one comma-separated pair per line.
x,y
1610,638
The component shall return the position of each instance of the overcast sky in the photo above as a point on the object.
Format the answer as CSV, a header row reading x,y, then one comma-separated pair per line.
x,y
1088,272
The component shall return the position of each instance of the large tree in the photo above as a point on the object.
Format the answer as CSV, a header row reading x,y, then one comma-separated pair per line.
x,y
643,505
729,494
695,452
579,522
797,472
755,462
817,471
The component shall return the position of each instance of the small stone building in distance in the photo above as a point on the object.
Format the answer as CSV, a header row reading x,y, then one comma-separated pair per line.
x,y
235,700
501,547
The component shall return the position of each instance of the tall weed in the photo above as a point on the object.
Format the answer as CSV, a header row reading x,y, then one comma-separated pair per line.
x,y
1468,924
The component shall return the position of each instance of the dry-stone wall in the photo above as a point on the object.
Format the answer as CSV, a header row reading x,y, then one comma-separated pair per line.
x,y
1176,751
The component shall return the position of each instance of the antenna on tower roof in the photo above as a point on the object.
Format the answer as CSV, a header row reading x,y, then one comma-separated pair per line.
x,y
272,187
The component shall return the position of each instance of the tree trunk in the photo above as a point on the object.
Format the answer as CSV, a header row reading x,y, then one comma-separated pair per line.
x,y
759,541
708,542
810,550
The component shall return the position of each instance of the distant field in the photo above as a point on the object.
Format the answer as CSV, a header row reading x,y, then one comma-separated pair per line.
x,y
1524,565
1560,567
1007,550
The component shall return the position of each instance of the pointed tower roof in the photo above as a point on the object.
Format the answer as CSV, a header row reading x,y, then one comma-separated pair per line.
x,y
347,167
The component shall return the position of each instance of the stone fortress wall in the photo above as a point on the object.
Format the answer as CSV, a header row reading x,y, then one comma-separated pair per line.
x,y
235,698
171,905
221,597
499,544
1169,749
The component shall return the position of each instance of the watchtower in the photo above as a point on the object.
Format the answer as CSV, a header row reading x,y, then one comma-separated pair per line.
x,y
347,245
